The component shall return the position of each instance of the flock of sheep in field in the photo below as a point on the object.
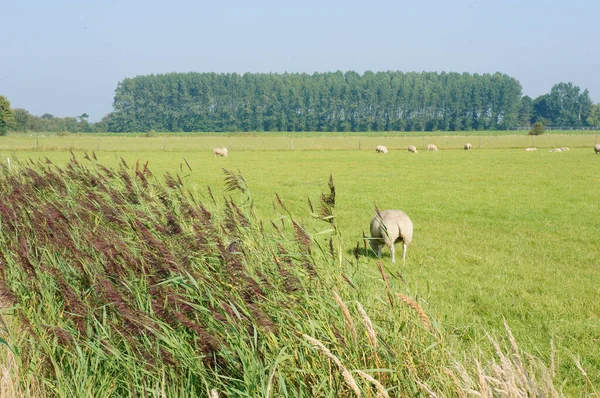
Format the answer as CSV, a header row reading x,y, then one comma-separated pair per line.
x,y
430,147
389,227
468,146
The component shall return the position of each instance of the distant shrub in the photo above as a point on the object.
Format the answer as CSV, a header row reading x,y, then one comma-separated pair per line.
x,y
151,133
537,129
62,133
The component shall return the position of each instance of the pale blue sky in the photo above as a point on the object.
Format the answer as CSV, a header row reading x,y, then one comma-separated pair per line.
x,y
66,57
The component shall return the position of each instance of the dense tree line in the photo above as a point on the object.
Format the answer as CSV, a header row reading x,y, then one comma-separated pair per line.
x,y
333,101
24,121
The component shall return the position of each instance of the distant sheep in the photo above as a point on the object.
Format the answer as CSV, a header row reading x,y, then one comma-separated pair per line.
x,y
564,148
381,149
468,146
556,150
431,147
597,148
220,152
389,227
412,149
530,149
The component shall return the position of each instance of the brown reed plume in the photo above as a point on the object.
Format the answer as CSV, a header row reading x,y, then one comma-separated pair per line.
x,y
368,326
417,308
328,202
235,182
348,321
302,237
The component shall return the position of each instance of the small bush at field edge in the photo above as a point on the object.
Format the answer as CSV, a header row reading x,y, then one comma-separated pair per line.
x,y
537,129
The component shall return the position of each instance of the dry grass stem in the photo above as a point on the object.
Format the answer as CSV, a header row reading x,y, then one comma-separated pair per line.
x,y
348,321
345,373
460,390
368,325
381,391
426,388
417,308
483,385
515,348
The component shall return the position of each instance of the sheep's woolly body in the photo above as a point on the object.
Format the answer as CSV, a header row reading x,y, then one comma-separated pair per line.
x,y
530,149
597,148
412,149
556,150
564,148
431,147
389,227
381,149
468,146
220,151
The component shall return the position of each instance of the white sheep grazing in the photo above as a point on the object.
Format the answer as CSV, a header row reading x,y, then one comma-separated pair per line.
x,y
530,149
389,227
597,148
564,148
381,149
220,152
412,149
468,146
431,147
556,150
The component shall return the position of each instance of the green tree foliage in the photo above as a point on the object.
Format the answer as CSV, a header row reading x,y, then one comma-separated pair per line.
x,y
7,118
562,104
594,118
24,121
526,111
565,106
21,119
333,101
541,112
84,125
537,129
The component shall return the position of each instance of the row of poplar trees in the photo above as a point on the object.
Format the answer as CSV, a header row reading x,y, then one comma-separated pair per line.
x,y
334,101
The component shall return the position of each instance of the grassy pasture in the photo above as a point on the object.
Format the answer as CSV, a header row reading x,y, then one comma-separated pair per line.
x,y
307,141
499,234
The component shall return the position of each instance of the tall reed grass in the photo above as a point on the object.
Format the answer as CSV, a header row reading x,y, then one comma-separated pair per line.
x,y
114,282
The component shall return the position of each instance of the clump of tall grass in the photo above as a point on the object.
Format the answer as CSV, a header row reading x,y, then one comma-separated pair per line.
x,y
115,283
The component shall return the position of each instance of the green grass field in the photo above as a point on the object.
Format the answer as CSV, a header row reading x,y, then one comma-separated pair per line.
x,y
500,234
295,141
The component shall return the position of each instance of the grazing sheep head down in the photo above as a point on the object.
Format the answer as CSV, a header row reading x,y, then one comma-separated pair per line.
x,y
597,148
381,149
389,227
220,151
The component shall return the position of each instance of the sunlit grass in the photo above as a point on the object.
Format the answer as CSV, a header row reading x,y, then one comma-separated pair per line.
x,y
499,234
292,141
